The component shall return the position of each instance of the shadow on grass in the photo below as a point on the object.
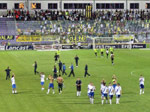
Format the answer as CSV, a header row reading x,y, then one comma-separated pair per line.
x,y
24,92
79,103
128,102
130,93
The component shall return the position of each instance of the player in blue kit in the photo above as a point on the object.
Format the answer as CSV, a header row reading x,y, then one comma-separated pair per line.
x,y
110,92
72,70
64,69
118,91
141,82
13,84
104,92
42,80
91,94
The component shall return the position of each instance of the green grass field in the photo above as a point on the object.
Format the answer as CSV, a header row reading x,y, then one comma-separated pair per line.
x,y
30,98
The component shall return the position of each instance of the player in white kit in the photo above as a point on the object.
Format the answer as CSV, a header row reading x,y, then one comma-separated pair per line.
x,y
107,53
118,91
104,92
141,82
42,80
13,84
91,94
110,92
88,92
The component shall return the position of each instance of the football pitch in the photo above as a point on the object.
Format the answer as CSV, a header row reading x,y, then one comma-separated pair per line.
x,y
129,65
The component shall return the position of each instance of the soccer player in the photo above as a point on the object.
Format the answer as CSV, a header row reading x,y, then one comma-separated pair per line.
x,y
104,92
72,71
110,92
64,69
76,60
13,84
111,49
56,57
58,53
95,51
114,81
112,58
88,92
8,73
92,89
60,81
42,80
141,81
107,53
118,91
102,83
35,68
51,84
55,72
86,71
102,52
78,85
60,66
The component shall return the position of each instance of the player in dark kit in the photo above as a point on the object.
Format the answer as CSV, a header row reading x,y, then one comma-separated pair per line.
x,y
95,51
55,72
76,60
102,52
60,66
56,57
72,71
78,85
86,71
35,68
8,73
112,58
64,69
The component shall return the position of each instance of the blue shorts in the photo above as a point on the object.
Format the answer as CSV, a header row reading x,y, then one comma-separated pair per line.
x,y
42,83
51,85
111,96
91,94
141,86
114,85
104,95
14,86
118,96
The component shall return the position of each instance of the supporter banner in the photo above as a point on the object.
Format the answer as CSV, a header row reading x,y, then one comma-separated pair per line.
x,y
77,38
50,37
7,37
123,37
29,38
21,47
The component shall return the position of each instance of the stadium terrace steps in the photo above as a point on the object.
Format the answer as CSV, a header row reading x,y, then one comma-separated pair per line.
x,y
7,26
